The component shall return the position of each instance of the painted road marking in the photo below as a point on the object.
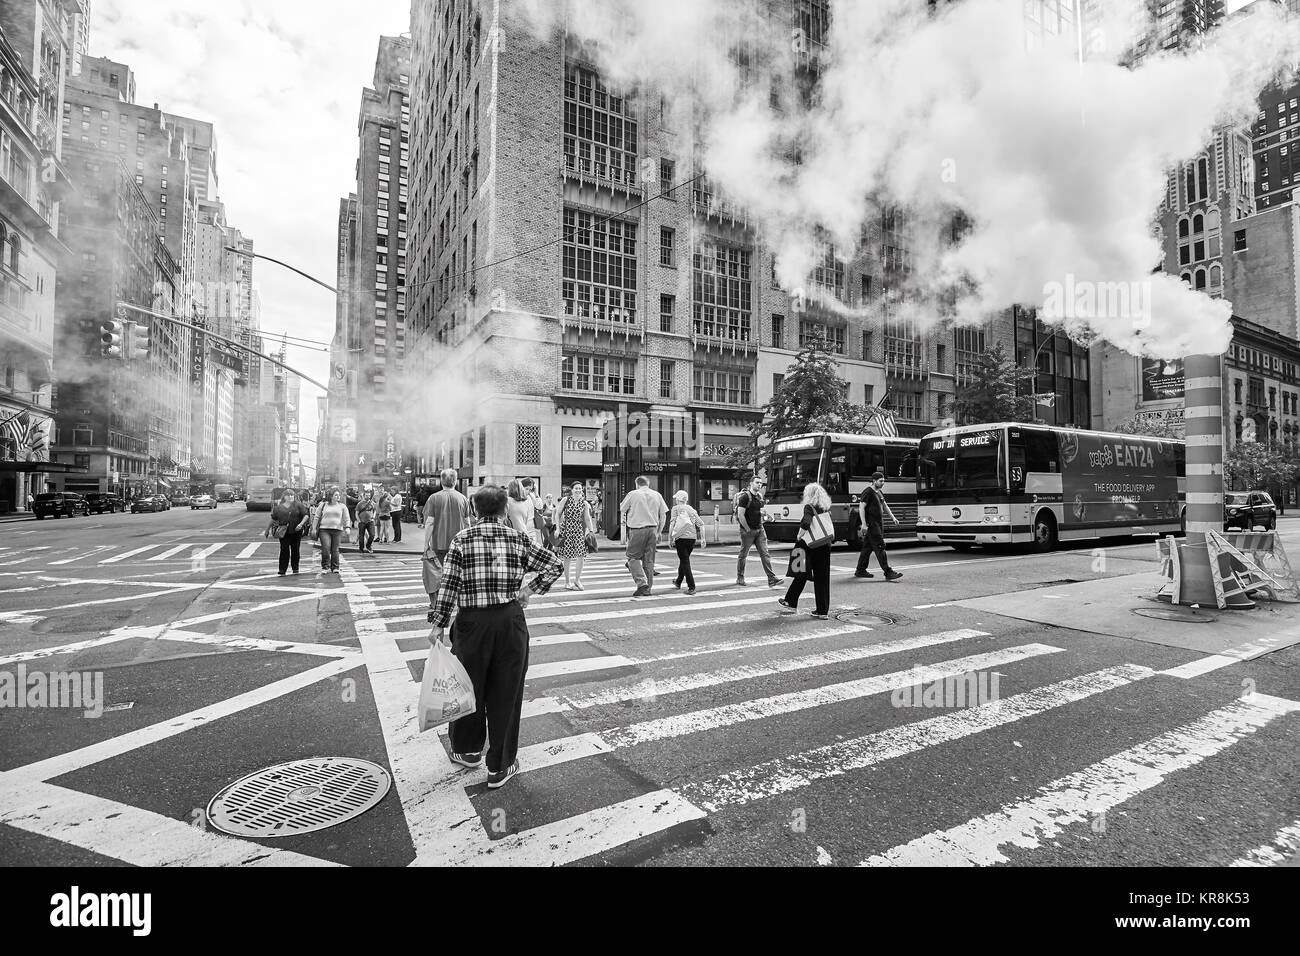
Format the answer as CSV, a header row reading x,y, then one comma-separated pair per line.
x,y
169,552
1078,797
727,715
88,554
687,682
63,763
129,554
135,836
678,607
1284,845
793,772
249,549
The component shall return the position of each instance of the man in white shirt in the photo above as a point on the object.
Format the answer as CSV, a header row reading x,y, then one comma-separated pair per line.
x,y
396,514
642,512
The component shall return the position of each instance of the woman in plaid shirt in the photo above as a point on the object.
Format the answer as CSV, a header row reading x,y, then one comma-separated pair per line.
x,y
483,578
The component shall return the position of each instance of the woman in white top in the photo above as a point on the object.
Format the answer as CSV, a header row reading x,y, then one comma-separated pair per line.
x,y
521,511
684,529
331,521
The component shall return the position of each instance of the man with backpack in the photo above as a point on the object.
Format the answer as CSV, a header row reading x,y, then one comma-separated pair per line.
x,y
749,513
872,508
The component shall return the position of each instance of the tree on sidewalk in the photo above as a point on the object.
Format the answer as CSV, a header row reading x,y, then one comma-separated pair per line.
x,y
991,394
1251,466
811,397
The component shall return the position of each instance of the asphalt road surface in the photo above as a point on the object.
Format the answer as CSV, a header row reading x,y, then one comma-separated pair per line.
x,y
705,729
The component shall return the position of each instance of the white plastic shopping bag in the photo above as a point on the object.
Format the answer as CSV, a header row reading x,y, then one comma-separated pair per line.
x,y
446,692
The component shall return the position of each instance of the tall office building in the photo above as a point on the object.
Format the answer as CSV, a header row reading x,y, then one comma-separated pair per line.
x,y
373,273
100,114
33,181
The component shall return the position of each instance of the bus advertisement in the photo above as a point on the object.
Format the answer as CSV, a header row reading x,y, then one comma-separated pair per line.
x,y
1013,483
842,464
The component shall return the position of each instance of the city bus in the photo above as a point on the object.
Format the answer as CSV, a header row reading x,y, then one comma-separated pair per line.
x,y
1014,483
842,464
259,492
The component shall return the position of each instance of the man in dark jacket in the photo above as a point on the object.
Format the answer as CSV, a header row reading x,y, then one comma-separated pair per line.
x,y
872,509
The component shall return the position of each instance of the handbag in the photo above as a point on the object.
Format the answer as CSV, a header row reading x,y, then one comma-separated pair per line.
x,y
431,569
591,543
821,531
798,566
446,691
280,530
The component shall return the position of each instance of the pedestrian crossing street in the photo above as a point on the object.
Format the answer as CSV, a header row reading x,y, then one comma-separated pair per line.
x,y
30,558
647,727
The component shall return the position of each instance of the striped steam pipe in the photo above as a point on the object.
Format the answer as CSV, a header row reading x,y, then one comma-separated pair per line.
x,y
1204,429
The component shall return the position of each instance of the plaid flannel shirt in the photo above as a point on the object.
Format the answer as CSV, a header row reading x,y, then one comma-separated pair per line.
x,y
486,566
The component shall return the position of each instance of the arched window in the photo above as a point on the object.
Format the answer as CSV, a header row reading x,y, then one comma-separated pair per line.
x,y
1200,279
1187,277
1182,227
1212,219
1216,276
1191,183
14,248
1203,178
1198,223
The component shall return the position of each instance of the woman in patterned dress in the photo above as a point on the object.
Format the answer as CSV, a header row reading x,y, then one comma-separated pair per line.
x,y
574,523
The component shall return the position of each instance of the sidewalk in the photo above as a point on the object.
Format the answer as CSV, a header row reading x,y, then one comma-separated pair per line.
x,y
1126,606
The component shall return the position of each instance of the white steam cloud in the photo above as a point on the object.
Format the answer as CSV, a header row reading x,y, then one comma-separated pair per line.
x,y
1059,165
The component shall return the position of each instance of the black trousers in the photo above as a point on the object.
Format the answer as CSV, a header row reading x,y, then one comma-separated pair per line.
x,y
492,643
289,547
684,548
874,543
365,535
397,526
819,566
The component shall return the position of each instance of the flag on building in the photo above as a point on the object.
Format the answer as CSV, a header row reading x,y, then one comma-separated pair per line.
x,y
883,421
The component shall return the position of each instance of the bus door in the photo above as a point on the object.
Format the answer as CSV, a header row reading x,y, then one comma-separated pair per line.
x,y
1033,476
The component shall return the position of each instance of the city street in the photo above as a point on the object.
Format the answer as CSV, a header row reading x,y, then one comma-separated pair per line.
x,y
669,730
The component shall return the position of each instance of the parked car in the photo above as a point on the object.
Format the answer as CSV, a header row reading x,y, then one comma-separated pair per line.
x,y
150,503
58,504
179,498
100,501
203,501
1246,509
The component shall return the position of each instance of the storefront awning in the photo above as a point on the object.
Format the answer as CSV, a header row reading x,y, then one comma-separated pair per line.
x,y
164,482
48,467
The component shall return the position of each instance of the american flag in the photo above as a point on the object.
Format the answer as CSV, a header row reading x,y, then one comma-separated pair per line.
x,y
884,422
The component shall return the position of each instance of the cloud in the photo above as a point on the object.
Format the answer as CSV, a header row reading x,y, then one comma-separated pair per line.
x,y
282,84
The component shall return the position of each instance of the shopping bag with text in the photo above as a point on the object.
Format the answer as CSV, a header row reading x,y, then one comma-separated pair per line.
x,y
446,691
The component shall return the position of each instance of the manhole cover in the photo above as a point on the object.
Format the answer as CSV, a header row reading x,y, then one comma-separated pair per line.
x,y
298,797
1183,615
865,618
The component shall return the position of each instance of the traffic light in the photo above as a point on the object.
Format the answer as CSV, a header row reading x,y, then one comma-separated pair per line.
x,y
137,341
110,338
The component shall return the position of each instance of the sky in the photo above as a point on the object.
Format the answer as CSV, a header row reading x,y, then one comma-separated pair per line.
x,y
282,82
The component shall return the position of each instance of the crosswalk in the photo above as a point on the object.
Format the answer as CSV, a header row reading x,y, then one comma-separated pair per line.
x,y
23,558
653,722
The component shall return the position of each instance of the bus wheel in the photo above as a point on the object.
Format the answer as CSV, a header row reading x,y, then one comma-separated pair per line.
x,y
1045,532
854,541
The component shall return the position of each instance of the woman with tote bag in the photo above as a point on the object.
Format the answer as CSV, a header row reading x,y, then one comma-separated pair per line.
x,y
816,533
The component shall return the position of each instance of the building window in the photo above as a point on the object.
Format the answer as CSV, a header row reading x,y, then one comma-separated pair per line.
x,y
868,394
482,445
667,311
866,346
667,175
590,373
778,331
777,379
528,444
832,336
939,358
667,247
909,406
600,135
1239,240
968,345
903,344
829,273
727,388
599,268
721,292
666,379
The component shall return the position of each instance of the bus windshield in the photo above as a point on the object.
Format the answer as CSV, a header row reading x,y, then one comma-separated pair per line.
x,y
791,470
970,461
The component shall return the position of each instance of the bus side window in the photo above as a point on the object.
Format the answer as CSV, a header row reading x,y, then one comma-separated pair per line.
x,y
1041,452
860,462
907,467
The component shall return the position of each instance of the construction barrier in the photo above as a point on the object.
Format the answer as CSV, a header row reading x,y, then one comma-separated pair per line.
x,y
1251,561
